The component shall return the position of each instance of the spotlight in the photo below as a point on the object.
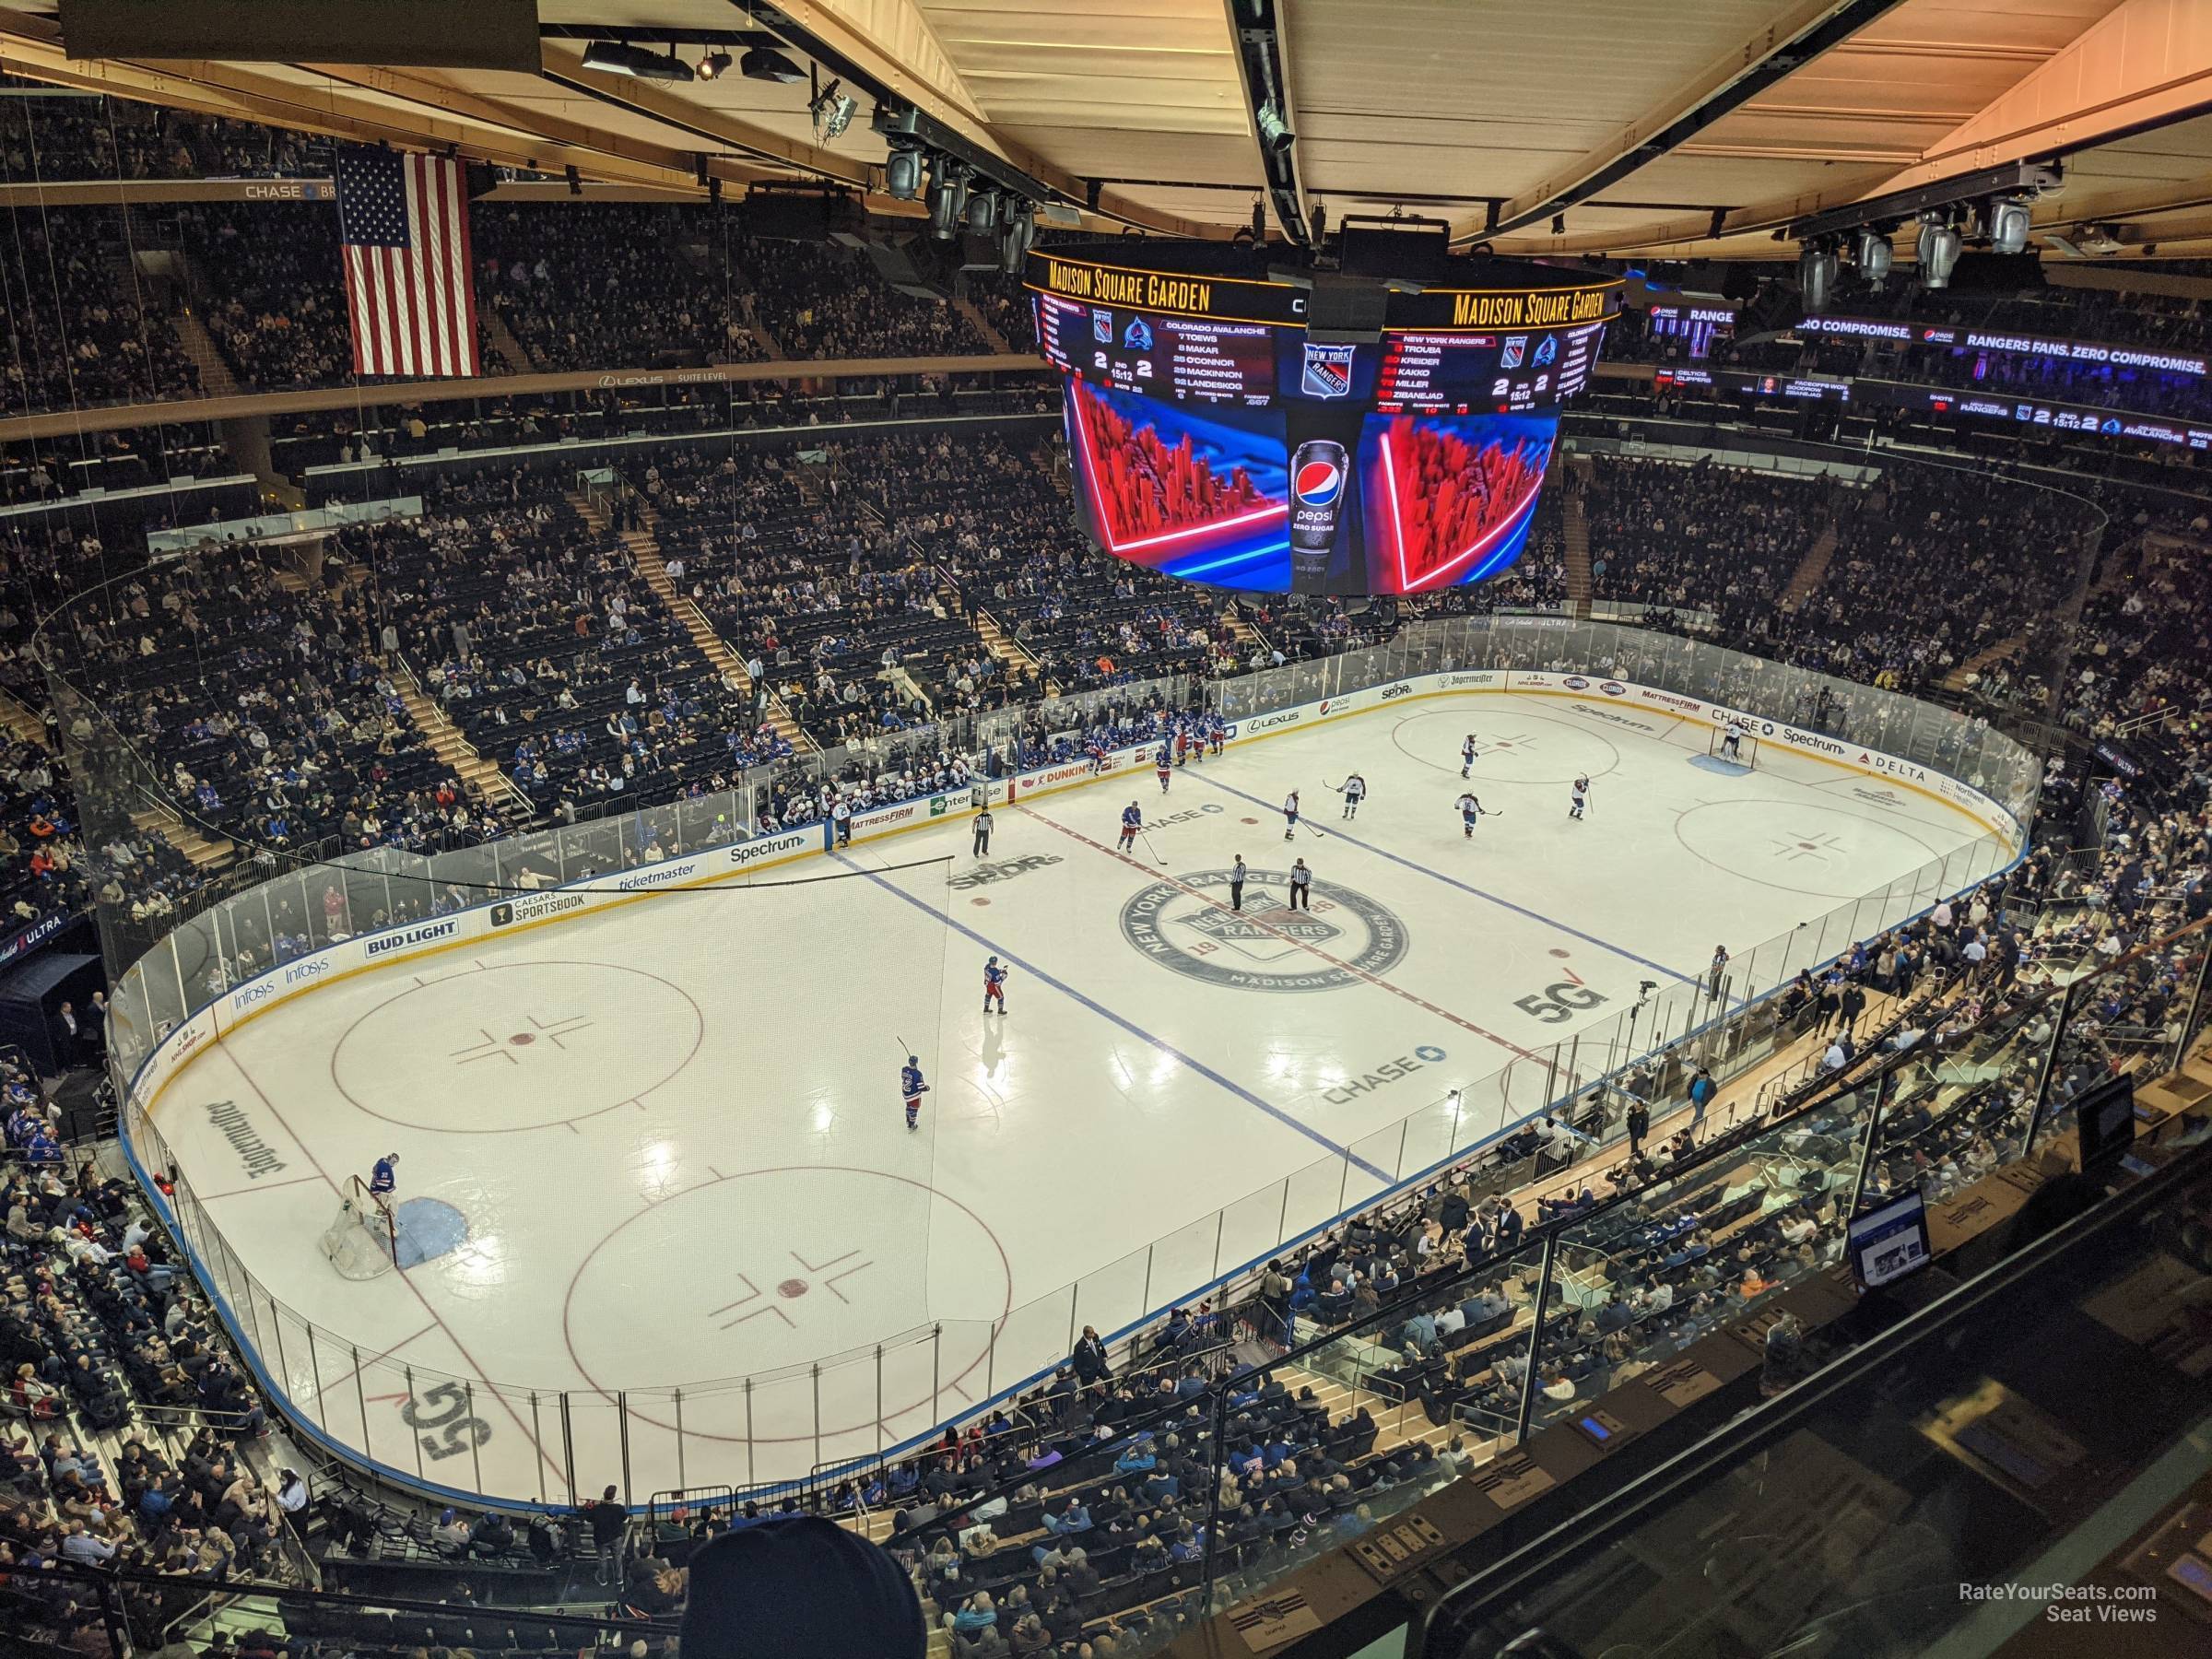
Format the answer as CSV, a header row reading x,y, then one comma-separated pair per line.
x,y
620,57
765,62
1873,255
948,199
1559,224
1014,239
2006,217
833,110
1816,275
1275,131
902,175
712,66
982,211
1938,250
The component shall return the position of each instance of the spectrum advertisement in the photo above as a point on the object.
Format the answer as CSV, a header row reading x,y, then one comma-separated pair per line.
x,y
1215,438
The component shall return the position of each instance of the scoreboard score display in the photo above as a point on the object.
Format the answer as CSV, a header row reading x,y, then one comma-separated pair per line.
x,y
1221,434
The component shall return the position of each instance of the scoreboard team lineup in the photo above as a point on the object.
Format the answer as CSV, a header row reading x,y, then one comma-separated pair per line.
x,y
1220,433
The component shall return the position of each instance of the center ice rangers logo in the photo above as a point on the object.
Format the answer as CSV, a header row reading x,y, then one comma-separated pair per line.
x,y
1186,924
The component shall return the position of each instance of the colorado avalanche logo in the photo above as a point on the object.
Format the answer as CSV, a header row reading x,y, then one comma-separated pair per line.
x,y
1318,483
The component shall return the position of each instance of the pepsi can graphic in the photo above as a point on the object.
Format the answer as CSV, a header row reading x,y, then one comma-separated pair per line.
x,y
1319,473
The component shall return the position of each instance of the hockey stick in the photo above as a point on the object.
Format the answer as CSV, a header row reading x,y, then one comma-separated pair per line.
x,y
1149,847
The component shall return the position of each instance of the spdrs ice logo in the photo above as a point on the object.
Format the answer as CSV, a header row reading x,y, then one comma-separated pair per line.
x,y
1328,372
1319,482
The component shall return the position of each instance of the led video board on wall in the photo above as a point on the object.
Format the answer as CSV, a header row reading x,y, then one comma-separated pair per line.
x,y
1215,438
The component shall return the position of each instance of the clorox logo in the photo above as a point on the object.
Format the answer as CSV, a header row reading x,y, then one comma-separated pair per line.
x,y
1318,482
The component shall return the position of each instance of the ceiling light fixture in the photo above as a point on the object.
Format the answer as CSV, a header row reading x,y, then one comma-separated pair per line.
x,y
1275,131
765,62
712,66
902,175
620,57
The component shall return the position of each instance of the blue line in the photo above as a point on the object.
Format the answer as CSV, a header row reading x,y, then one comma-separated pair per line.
x,y
1550,921
1165,1047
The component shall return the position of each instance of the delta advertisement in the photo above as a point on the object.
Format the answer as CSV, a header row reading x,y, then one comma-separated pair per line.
x,y
1308,497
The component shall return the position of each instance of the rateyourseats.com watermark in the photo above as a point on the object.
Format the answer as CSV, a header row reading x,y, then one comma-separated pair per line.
x,y
2075,1603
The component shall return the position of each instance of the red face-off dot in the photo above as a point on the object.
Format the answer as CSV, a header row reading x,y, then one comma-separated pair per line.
x,y
523,1039
792,1288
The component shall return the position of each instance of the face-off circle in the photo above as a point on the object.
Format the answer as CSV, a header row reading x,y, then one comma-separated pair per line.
x,y
519,1046
1798,847
775,1268
1185,925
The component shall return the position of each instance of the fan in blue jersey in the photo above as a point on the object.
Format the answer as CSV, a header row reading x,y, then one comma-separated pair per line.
x,y
912,1087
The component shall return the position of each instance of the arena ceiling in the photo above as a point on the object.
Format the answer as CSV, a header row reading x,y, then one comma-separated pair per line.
x,y
1632,126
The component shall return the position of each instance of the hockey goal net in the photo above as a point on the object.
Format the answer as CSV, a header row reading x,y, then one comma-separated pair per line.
x,y
1744,753
362,1240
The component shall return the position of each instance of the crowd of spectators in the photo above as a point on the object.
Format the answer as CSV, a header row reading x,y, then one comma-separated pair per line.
x,y
276,297
545,643
1701,536
819,299
100,1332
80,331
795,565
265,709
54,135
988,510
604,285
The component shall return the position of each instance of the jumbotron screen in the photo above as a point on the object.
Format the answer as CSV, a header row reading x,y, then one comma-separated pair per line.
x,y
1217,438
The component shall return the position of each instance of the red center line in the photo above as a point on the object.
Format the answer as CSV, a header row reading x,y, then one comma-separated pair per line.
x,y
1207,898
436,1318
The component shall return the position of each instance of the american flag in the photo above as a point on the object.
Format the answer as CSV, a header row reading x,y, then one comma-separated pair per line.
x,y
403,231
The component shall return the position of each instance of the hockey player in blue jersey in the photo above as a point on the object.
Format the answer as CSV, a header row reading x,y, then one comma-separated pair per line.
x,y
1163,763
994,985
1133,820
384,1177
914,1088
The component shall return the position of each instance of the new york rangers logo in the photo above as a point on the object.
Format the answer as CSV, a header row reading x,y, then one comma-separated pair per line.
x,y
1318,482
1328,372
1515,348
1101,327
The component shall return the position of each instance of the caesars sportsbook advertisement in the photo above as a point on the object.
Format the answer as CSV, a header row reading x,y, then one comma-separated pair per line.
x,y
1215,438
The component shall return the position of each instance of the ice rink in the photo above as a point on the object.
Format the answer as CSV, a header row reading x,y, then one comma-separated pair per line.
x,y
662,1146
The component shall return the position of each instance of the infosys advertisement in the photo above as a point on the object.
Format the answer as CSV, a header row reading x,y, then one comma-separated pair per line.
x,y
1315,496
